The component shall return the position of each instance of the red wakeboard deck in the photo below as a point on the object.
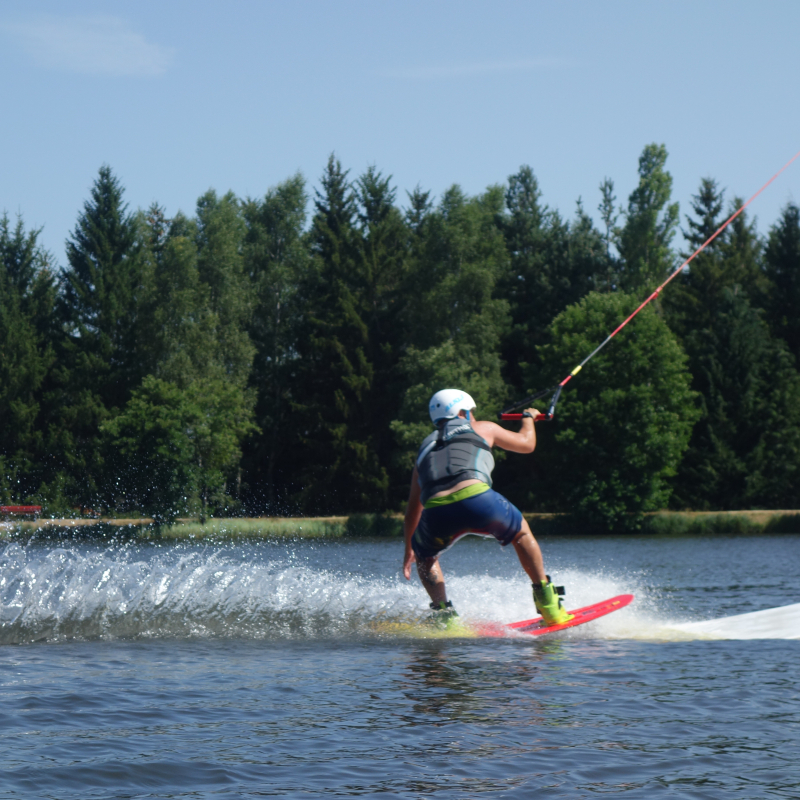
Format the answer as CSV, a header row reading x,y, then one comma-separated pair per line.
x,y
535,627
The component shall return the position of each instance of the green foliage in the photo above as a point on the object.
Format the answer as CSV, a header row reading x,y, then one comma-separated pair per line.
x,y
553,264
345,296
243,358
182,340
650,222
674,524
98,356
624,425
178,444
220,234
102,294
455,324
27,299
276,259
746,449
731,261
374,525
227,529
609,215
695,293
783,268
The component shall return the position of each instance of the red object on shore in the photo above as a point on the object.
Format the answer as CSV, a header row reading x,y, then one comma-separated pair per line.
x,y
20,509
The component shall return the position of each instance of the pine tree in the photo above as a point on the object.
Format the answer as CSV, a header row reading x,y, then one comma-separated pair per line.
x,y
102,294
276,259
383,255
419,209
338,465
743,252
527,285
749,399
650,221
553,264
220,234
609,215
454,323
783,268
98,362
694,295
27,299
176,443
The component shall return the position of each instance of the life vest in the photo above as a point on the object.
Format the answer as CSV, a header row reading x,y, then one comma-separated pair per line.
x,y
452,454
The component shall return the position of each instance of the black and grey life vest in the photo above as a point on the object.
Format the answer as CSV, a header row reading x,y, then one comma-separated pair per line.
x,y
452,454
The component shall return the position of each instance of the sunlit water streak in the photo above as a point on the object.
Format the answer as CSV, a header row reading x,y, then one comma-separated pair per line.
x,y
266,669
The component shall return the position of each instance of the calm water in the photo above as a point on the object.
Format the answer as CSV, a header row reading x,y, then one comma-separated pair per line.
x,y
276,670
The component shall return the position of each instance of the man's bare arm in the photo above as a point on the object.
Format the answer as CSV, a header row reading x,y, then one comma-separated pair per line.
x,y
521,441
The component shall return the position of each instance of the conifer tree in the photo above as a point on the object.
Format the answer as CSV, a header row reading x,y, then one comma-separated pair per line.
x,y
609,215
27,299
749,399
783,268
695,294
383,255
276,260
553,263
419,209
102,294
454,322
743,252
528,283
176,443
650,220
220,234
99,364
338,465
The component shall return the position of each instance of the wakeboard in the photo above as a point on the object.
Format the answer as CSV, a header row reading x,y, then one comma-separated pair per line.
x,y
536,626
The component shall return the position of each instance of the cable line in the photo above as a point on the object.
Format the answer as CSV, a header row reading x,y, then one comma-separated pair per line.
x,y
505,415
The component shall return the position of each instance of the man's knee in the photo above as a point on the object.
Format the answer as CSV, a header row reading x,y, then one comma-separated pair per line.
x,y
427,564
522,535
524,530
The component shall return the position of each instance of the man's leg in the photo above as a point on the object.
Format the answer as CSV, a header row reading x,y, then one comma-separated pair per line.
x,y
430,573
529,554
545,595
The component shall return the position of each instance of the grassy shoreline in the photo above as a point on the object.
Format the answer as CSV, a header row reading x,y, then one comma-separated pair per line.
x,y
388,526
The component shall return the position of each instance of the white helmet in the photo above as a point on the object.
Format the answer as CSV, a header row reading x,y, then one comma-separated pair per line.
x,y
446,404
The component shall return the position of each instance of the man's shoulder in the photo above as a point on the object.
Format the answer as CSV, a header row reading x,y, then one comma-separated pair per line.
x,y
484,425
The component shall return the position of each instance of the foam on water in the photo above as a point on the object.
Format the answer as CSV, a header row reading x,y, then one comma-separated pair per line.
x,y
67,593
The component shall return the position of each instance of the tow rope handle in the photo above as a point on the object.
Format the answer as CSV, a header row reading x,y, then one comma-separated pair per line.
x,y
505,416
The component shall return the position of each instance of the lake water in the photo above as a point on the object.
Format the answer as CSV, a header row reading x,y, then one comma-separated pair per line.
x,y
289,670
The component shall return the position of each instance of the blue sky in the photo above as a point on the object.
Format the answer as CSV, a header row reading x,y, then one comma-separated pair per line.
x,y
178,97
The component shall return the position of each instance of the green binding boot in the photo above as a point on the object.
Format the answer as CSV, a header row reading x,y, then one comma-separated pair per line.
x,y
443,615
548,603
443,610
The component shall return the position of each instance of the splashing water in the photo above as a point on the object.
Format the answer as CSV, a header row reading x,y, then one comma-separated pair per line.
x,y
275,592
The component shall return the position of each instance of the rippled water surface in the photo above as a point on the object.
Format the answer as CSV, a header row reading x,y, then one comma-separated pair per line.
x,y
303,670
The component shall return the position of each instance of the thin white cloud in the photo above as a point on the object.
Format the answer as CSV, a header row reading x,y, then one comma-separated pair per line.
x,y
99,45
475,68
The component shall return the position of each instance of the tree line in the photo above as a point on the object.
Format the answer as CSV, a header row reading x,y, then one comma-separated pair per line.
x,y
275,355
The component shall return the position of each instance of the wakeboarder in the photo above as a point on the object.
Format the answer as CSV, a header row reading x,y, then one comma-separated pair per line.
x,y
451,496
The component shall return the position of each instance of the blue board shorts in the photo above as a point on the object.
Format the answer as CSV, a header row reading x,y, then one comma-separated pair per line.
x,y
485,514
